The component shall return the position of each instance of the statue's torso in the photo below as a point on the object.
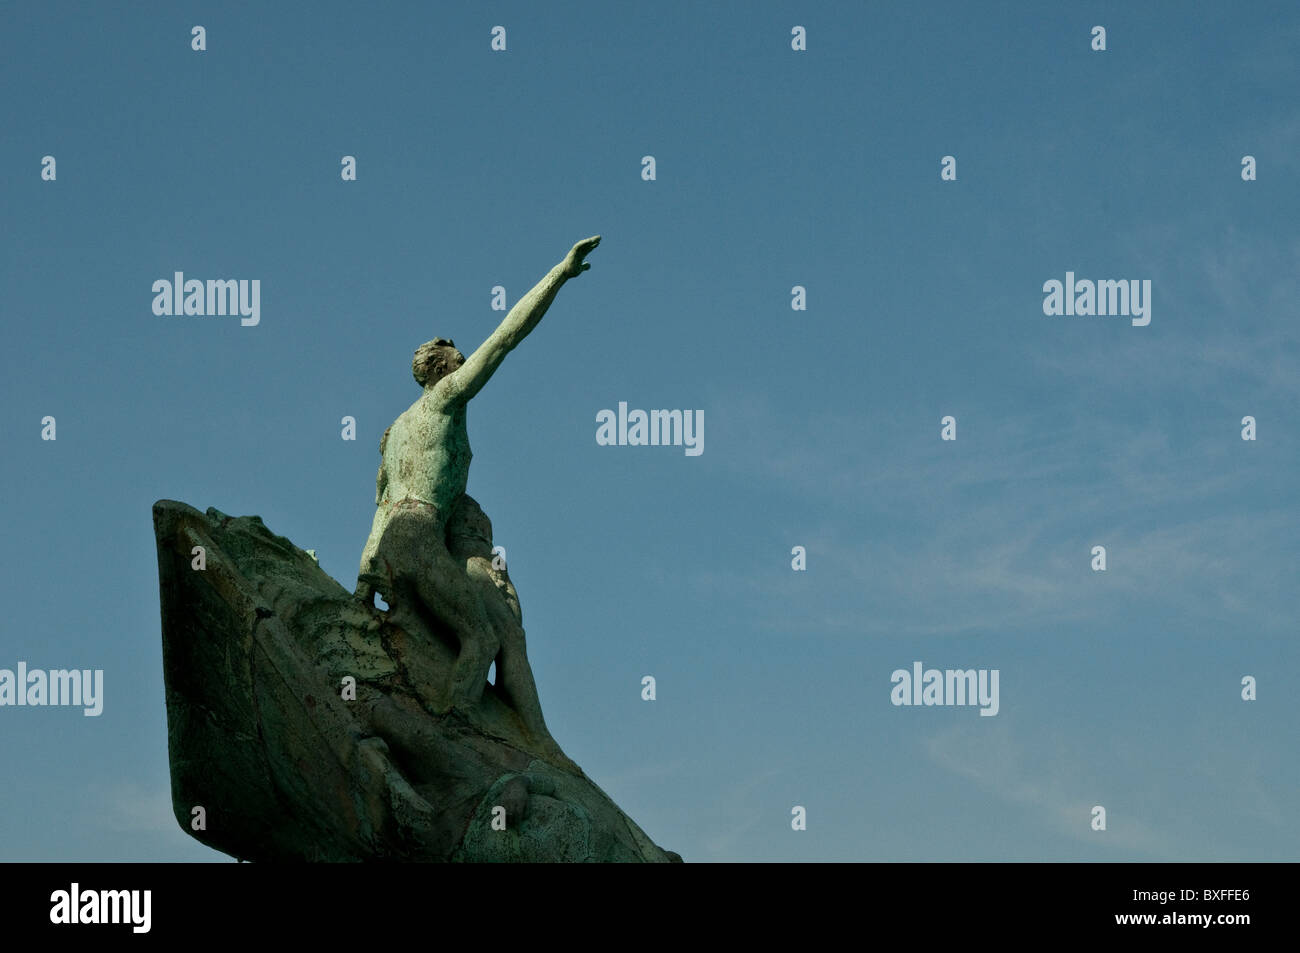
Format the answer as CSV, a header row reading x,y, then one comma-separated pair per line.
x,y
427,455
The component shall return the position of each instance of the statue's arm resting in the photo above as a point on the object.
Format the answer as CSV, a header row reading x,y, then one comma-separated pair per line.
x,y
381,478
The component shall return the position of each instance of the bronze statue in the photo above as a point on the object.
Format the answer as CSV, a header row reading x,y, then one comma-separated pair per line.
x,y
430,546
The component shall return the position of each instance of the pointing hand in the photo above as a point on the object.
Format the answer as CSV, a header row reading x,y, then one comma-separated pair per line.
x,y
573,263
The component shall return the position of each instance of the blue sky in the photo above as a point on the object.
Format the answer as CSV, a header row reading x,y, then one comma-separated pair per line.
x,y
775,168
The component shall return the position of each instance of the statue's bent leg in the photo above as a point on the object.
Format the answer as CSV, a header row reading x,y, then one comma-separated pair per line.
x,y
514,675
516,678
412,557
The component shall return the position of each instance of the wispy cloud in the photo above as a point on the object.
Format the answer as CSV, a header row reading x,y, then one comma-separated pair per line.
x,y
995,531
1143,790
1051,788
742,812
647,771
1004,531
132,808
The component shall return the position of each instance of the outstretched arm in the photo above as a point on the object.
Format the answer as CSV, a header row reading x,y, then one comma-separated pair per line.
x,y
469,378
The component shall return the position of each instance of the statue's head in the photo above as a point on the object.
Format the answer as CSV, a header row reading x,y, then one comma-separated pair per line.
x,y
434,360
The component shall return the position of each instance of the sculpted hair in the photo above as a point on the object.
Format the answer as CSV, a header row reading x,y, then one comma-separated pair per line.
x,y
430,361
